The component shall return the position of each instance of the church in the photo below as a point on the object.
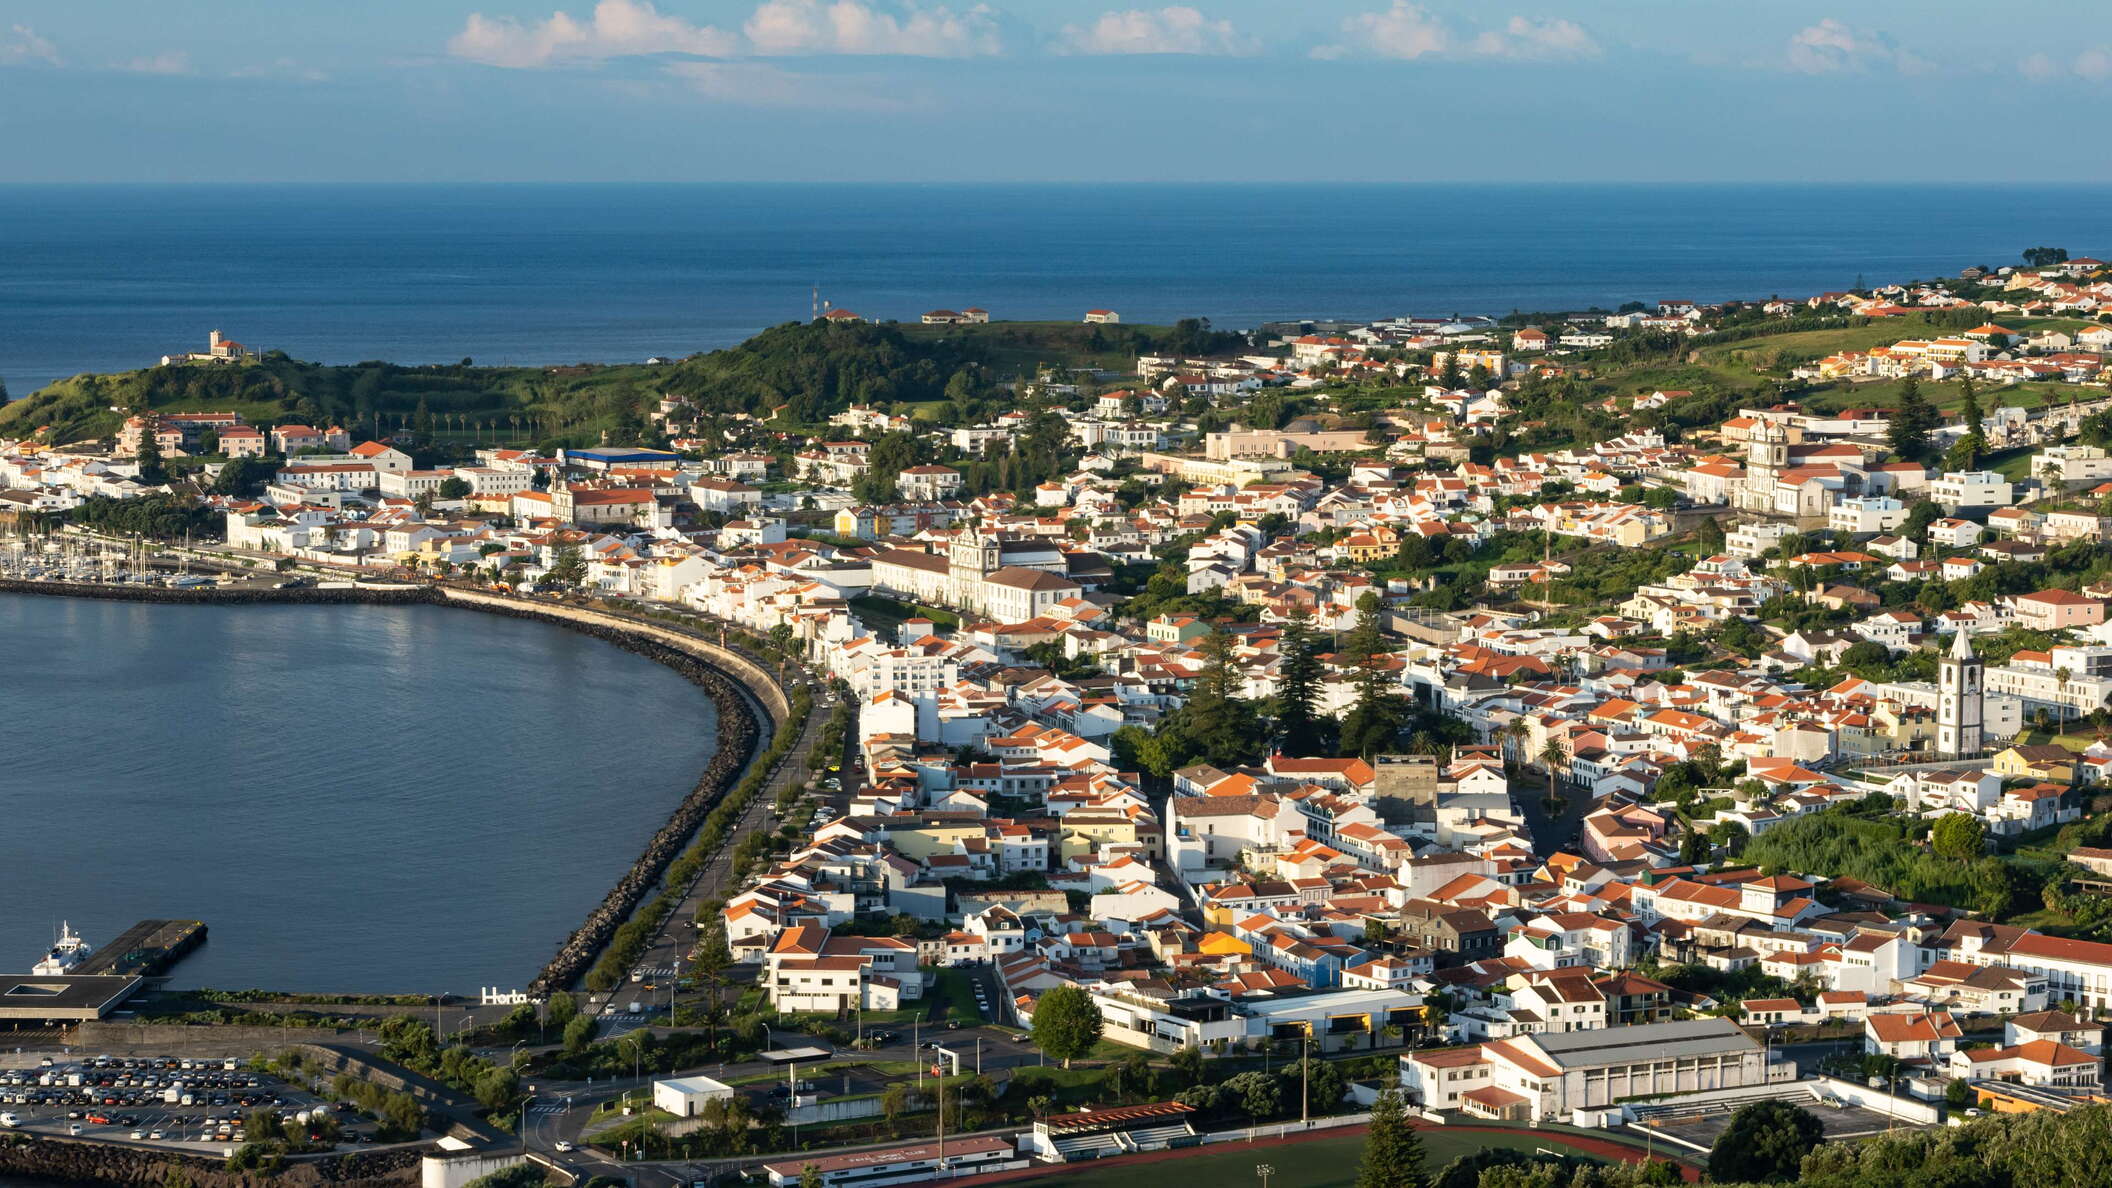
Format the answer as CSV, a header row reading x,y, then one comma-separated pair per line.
x,y
1773,486
1960,701
979,574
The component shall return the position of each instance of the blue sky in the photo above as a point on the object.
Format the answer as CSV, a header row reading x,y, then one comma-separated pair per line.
x,y
1040,90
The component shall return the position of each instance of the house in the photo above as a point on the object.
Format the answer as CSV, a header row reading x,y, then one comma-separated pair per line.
x,y
2056,610
1102,317
1927,1037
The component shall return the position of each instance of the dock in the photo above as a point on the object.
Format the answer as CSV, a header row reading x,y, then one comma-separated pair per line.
x,y
147,949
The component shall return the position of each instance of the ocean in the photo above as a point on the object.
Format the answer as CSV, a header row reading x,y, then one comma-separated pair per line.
x,y
353,798
103,278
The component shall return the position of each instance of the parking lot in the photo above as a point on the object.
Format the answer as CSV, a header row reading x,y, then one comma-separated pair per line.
x,y
192,1103
1839,1121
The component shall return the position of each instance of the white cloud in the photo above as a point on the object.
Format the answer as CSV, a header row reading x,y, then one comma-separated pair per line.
x,y
787,27
21,44
634,28
1530,40
617,29
166,62
1407,32
1177,29
1831,47
2093,64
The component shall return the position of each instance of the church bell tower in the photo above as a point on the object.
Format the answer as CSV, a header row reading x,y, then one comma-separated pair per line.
x,y
1959,701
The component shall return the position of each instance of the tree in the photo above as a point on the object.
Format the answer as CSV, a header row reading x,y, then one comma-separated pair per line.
x,y
1298,718
569,569
2044,257
422,420
1958,837
152,470
1764,1142
453,488
1187,1064
1912,419
1066,1023
1257,1093
1973,446
578,1034
1393,1151
561,1008
810,1177
243,476
1379,713
1552,757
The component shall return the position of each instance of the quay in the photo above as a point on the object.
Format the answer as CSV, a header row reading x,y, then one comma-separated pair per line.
x,y
148,949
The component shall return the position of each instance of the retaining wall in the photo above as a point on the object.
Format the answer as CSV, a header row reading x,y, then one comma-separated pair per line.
x,y
758,680
119,1166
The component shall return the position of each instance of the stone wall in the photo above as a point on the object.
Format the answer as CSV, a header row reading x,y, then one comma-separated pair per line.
x,y
759,680
117,1166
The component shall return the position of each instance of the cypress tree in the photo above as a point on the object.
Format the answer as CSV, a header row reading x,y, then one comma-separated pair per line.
x,y
1393,1151
1298,718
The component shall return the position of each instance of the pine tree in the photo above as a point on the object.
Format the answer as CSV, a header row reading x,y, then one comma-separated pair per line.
x,y
1298,719
1393,1151
1974,442
1911,421
1377,716
151,470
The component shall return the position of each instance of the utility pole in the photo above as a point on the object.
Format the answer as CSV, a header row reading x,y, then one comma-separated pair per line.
x,y
1305,1077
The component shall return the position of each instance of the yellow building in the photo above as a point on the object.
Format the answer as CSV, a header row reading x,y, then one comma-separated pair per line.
x,y
2043,761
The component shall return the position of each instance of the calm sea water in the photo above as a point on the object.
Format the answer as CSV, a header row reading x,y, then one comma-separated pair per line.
x,y
105,278
352,798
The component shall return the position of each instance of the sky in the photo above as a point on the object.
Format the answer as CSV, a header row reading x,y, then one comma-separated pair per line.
x,y
1055,91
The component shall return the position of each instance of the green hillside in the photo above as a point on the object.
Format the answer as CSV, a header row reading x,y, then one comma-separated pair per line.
x,y
799,372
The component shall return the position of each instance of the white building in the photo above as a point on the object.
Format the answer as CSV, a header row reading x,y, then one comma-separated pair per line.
x,y
684,1097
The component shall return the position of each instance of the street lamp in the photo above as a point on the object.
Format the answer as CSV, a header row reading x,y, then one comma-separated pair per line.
x,y
1264,1170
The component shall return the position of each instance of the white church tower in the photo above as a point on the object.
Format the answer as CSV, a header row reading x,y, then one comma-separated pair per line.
x,y
1958,701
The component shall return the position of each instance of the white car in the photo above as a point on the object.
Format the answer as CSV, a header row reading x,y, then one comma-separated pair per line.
x,y
562,1147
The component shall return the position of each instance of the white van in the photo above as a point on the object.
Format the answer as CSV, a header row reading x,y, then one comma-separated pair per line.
x,y
10,1121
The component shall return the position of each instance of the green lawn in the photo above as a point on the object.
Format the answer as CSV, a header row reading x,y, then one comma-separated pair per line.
x,y
1323,1163
888,613
956,993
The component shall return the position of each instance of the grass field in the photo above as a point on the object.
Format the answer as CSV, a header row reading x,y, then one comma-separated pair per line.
x,y
1323,1163
957,992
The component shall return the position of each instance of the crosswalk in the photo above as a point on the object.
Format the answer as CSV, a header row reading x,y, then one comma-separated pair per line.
x,y
545,1111
660,971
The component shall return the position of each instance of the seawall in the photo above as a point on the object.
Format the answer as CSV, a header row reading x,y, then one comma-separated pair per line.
x,y
314,595
738,687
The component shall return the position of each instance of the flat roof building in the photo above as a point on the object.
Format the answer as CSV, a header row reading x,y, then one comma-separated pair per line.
x,y
68,998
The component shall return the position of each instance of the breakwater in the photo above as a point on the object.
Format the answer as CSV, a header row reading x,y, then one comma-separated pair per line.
x,y
746,702
310,595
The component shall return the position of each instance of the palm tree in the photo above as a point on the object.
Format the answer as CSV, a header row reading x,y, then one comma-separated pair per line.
x,y
1517,732
1551,758
2063,676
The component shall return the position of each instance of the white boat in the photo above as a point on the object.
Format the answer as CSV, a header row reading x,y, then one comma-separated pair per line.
x,y
70,951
